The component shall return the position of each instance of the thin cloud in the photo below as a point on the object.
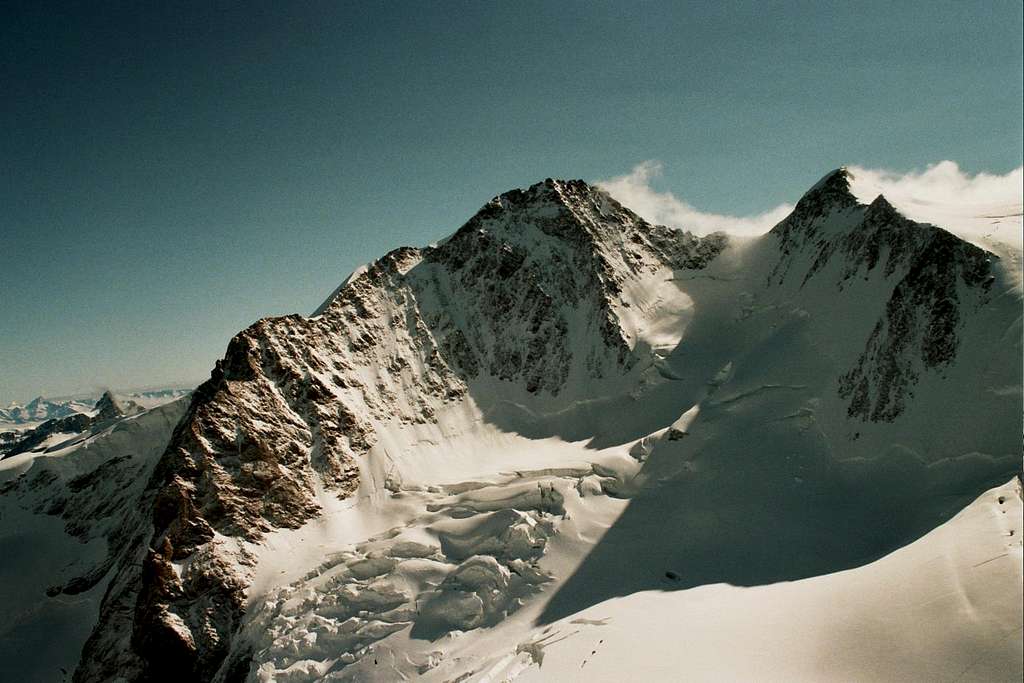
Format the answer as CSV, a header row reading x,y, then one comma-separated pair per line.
x,y
984,208
634,191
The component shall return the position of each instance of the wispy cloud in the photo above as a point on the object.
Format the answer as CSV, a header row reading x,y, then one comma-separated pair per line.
x,y
983,208
634,191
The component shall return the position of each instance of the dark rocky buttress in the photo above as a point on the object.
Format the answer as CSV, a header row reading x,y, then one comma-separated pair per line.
x,y
832,240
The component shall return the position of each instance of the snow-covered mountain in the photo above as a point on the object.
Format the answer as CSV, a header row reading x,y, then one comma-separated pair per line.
x,y
485,459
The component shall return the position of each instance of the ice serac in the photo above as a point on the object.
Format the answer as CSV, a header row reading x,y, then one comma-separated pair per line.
x,y
532,297
926,275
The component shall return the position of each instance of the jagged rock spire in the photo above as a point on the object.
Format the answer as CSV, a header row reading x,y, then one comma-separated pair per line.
x,y
108,407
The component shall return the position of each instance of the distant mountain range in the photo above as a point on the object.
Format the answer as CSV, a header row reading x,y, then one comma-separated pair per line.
x,y
72,420
41,409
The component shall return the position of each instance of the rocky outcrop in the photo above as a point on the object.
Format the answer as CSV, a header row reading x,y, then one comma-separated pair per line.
x,y
919,331
828,208
34,438
530,262
8,439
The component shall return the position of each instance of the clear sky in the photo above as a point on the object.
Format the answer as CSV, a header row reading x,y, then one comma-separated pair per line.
x,y
171,174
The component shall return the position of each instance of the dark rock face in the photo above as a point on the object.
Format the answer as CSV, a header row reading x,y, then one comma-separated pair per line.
x,y
919,329
8,439
532,278
932,272
110,407
803,231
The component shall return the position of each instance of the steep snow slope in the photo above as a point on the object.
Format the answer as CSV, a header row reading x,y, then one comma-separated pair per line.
x,y
557,406
944,608
65,517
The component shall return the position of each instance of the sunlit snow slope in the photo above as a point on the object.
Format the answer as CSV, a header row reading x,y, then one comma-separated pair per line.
x,y
947,607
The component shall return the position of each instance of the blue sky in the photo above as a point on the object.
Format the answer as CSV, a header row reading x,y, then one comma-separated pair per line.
x,y
172,174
